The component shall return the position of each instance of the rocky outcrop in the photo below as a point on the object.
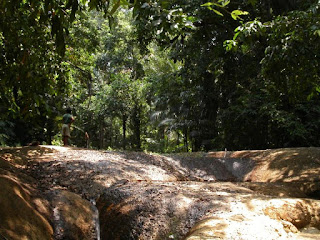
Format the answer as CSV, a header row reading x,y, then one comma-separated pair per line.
x,y
73,217
32,211
50,192
24,213
191,210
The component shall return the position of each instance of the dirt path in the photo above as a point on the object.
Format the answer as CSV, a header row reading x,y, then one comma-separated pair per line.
x,y
88,172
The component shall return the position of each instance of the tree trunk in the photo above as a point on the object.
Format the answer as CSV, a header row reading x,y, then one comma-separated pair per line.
x,y
137,127
185,138
124,129
101,134
49,132
161,134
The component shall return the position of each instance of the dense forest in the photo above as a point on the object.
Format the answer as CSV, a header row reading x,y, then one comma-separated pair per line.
x,y
162,76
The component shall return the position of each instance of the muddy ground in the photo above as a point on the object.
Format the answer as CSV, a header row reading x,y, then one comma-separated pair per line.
x,y
53,192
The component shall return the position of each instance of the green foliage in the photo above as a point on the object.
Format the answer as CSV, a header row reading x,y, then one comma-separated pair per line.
x,y
249,97
112,110
34,71
30,71
6,132
221,4
161,76
286,81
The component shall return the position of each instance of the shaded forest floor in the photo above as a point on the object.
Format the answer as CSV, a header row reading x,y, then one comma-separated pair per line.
x,y
216,195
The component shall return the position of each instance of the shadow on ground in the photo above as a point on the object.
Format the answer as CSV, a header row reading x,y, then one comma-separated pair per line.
x,y
151,196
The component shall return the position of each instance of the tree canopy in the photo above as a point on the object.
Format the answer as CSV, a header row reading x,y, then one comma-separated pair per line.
x,y
161,75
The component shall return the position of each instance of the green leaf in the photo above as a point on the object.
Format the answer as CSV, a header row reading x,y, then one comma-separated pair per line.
x,y
192,19
317,32
230,45
217,12
208,4
240,12
225,3
235,35
236,13
124,3
234,16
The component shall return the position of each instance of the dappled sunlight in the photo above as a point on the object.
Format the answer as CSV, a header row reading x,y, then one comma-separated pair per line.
x,y
252,217
157,196
296,215
294,164
208,228
20,156
184,201
22,191
253,154
19,218
72,212
153,173
223,193
167,205
17,192
275,165
243,226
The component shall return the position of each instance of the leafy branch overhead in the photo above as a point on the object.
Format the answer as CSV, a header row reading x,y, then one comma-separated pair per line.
x,y
221,5
163,76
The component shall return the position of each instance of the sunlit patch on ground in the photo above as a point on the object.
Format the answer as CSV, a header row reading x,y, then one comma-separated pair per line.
x,y
200,196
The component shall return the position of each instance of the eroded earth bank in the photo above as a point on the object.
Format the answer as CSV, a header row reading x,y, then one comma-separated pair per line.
x,y
52,192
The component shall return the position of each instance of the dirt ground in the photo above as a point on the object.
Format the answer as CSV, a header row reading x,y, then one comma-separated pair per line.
x,y
73,193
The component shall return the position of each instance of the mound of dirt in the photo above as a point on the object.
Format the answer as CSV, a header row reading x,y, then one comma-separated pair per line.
x,y
269,194
31,210
276,165
24,212
174,210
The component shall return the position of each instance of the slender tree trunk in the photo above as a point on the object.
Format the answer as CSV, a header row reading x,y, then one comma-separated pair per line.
x,y
124,129
185,138
110,133
101,134
49,132
137,127
161,135
178,138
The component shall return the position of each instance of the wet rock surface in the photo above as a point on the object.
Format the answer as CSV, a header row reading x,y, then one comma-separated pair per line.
x,y
271,194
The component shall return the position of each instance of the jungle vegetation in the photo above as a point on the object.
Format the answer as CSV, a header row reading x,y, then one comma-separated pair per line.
x,y
161,76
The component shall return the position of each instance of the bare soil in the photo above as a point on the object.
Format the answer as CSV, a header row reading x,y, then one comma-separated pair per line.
x,y
267,194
